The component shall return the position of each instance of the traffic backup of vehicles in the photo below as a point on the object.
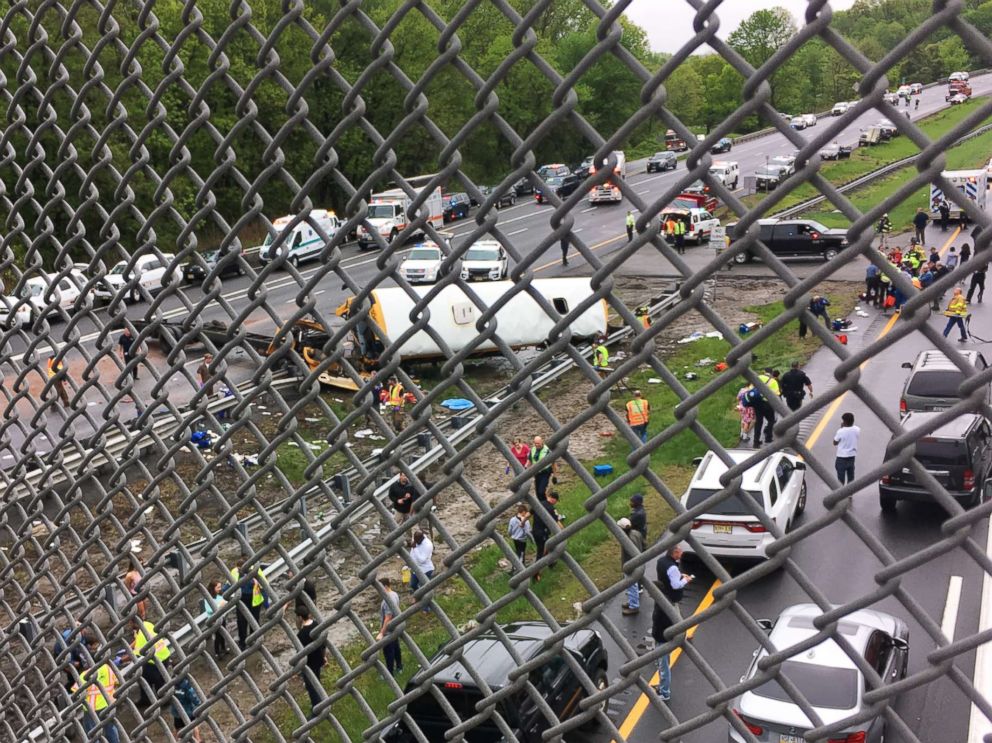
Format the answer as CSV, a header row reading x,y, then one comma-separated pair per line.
x,y
554,680
301,241
198,268
660,161
795,238
506,198
46,295
971,184
826,676
388,213
486,260
726,523
142,274
609,192
522,322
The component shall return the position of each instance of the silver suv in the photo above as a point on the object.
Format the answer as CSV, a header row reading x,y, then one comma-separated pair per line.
x,y
934,381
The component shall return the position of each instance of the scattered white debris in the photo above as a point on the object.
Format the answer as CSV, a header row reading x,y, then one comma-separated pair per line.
x,y
136,545
705,362
312,420
691,338
364,433
714,334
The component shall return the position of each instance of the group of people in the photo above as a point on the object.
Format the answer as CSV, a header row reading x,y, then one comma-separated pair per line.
x,y
758,414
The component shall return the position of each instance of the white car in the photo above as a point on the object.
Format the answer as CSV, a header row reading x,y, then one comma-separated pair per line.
x,y
916,88
798,122
149,274
958,76
904,92
785,161
841,107
43,295
957,98
485,260
729,526
810,119
13,314
422,264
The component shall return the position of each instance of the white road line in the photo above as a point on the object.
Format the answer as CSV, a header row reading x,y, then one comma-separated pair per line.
x,y
979,725
502,224
319,291
644,191
517,232
586,211
950,619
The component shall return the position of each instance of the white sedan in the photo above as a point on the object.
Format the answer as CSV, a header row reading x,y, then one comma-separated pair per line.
x,y
422,263
726,523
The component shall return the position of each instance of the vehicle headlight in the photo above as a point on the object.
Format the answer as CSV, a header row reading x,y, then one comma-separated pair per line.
x,y
464,274
495,273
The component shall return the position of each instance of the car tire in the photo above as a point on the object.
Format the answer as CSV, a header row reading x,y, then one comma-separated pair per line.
x,y
801,502
392,234
887,503
295,260
600,681
742,258
829,254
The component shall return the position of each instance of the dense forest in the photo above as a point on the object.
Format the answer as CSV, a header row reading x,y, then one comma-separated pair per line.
x,y
170,122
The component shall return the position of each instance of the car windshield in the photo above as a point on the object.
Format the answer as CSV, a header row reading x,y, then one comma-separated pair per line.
x,y
33,289
482,254
830,688
118,269
770,170
424,254
382,211
732,505
554,181
659,156
782,160
270,238
936,383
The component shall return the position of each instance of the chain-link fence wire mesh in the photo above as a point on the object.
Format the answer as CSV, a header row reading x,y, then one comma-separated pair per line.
x,y
127,126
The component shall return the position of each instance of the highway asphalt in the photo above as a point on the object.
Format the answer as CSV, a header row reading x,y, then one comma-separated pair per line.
x,y
949,588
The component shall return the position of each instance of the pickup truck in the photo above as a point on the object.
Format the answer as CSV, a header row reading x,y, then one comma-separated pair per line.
x,y
795,238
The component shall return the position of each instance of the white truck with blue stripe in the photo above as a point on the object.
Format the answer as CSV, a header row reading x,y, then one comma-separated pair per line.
x,y
972,184
301,242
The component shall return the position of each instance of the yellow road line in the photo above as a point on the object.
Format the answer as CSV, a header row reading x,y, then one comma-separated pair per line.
x,y
576,254
642,703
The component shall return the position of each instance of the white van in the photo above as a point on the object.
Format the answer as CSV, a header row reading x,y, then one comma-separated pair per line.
x,y
303,242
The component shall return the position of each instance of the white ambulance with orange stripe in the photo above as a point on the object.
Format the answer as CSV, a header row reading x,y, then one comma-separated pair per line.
x,y
388,213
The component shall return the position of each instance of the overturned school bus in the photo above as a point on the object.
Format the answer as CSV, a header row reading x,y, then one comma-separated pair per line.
x,y
454,317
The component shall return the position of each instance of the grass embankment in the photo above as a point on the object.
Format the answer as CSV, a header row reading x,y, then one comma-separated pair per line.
x,y
866,159
593,546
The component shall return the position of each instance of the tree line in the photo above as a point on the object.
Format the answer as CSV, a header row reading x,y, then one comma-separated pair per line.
x,y
169,123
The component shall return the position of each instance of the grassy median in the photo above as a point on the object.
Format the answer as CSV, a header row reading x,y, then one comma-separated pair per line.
x,y
592,547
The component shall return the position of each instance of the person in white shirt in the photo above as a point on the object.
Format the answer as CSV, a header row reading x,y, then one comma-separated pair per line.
x,y
422,553
846,441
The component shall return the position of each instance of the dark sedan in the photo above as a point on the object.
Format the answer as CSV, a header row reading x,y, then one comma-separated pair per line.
x,y
563,187
195,270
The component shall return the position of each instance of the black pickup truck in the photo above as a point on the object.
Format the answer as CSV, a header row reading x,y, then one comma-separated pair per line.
x,y
795,238
554,680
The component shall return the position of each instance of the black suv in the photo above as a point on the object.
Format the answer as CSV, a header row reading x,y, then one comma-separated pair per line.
x,y
796,238
561,186
958,455
456,206
194,270
506,198
662,161
488,657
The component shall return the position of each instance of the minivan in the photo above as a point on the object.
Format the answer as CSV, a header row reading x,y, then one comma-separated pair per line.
x,y
934,381
958,455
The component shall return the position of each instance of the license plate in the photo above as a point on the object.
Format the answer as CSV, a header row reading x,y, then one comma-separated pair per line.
x,y
791,739
723,529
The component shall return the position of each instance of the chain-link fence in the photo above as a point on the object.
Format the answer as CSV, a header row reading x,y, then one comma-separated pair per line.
x,y
260,484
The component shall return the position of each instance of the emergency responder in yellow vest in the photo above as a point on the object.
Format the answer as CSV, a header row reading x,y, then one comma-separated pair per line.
x,y
678,231
100,685
638,414
54,367
396,403
601,358
630,225
252,597
545,473
151,658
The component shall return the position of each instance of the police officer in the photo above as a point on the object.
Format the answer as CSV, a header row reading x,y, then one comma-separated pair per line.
x,y
630,225
764,413
794,384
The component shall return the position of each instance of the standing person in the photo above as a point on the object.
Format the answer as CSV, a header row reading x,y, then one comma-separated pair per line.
x,y
945,215
601,358
56,372
314,647
818,307
306,597
185,702
965,252
746,410
934,256
401,495
957,311
633,605
978,282
520,532
920,221
846,441
396,403
638,516
672,582
69,653
100,683
542,530
538,453
151,661
679,233
520,452
939,272
213,604
132,579
389,609
126,343
873,283
953,258
764,413
251,597
638,415
884,228
422,554
794,384
203,373
630,225
564,250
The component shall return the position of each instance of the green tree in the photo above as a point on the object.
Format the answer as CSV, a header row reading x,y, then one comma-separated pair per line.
x,y
762,33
